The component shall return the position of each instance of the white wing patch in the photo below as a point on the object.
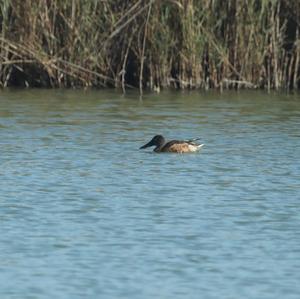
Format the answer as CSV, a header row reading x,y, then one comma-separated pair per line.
x,y
195,147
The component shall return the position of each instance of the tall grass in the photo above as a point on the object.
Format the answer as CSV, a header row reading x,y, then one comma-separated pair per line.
x,y
150,44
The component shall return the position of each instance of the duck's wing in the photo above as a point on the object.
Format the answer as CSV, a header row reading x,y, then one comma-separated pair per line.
x,y
192,141
178,146
172,146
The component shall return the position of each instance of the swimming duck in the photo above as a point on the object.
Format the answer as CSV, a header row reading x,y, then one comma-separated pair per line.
x,y
173,146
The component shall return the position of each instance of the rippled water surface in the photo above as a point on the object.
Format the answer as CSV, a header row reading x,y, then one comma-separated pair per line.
x,y
85,214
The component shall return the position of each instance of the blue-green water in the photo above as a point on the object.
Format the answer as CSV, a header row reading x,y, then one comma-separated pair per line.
x,y
85,214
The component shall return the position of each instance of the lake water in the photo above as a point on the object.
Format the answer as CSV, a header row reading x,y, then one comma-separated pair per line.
x,y
85,214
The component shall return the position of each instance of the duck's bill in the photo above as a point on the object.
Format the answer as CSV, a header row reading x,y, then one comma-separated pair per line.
x,y
146,145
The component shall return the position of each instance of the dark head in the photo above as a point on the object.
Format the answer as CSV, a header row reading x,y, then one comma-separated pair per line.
x,y
157,141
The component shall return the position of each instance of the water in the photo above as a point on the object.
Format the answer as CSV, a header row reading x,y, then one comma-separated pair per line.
x,y
85,214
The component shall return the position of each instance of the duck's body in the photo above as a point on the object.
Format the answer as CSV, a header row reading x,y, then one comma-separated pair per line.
x,y
174,146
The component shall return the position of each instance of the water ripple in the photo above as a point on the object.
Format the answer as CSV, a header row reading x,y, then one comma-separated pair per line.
x,y
85,214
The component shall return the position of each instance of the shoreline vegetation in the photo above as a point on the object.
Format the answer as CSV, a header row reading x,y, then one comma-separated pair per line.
x,y
154,44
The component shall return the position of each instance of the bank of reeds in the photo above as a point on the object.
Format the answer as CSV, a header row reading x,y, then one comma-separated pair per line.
x,y
150,43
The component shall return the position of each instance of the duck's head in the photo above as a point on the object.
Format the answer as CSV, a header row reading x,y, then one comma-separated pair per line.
x,y
157,140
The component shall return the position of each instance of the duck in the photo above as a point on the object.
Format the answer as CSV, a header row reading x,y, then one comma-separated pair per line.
x,y
173,146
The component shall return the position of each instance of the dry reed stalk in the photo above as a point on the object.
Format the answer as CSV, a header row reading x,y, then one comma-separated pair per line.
x,y
152,44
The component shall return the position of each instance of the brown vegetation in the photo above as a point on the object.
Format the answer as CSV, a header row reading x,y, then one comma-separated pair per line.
x,y
150,43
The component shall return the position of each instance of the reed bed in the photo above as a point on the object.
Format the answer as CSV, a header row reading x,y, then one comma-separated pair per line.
x,y
150,44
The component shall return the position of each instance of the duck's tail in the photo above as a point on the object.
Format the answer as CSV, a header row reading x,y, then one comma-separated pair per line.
x,y
194,147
